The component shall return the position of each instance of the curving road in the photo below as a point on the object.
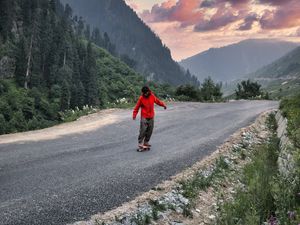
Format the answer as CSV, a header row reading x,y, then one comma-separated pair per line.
x,y
72,177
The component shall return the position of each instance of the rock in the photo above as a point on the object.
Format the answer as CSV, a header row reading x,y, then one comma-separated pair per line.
x,y
183,200
161,216
179,210
212,217
198,210
176,223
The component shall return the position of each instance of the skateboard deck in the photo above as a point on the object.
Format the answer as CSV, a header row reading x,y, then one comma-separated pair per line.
x,y
143,149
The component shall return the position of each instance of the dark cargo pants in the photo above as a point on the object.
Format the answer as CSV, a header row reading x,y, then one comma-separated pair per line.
x,y
146,129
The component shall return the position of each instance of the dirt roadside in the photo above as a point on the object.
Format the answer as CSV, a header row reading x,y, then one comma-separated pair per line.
x,y
83,124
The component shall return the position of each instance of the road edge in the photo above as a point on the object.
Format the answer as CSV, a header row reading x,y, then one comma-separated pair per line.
x,y
123,212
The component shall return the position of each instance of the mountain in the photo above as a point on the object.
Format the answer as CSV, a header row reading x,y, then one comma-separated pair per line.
x,y
234,61
132,38
281,77
287,66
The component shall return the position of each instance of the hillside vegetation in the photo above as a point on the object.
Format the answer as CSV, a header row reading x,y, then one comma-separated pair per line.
x,y
287,66
49,68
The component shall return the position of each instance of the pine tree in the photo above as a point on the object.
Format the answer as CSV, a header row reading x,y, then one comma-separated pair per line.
x,y
65,96
21,62
97,38
80,27
7,14
53,5
91,84
81,94
87,32
211,91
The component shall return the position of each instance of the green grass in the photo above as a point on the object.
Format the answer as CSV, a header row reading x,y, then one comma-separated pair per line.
x,y
199,182
266,193
290,108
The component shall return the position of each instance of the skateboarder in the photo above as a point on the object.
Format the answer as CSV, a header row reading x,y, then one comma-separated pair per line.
x,y
146,103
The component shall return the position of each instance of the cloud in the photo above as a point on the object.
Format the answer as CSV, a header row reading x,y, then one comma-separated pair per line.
x,y
216,3
220,19
134,6
198,13
298,32
286,15
191,26
183,11
248,22
275,2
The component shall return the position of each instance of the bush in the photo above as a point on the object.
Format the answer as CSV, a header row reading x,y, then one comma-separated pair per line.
x,y
3,124
209,91
248,89
18,122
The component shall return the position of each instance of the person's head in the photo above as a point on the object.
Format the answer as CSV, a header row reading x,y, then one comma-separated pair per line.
x,y
146,91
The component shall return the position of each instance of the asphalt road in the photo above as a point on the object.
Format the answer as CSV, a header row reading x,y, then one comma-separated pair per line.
x,y
73,177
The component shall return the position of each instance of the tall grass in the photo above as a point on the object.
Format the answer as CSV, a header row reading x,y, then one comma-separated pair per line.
x,y
267,196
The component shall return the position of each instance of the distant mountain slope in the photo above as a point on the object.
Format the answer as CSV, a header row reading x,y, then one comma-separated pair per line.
x,y
287,66
132,37
234,61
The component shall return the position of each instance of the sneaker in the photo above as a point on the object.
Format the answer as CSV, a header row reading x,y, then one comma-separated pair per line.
x,y
141,148
140,145
147,145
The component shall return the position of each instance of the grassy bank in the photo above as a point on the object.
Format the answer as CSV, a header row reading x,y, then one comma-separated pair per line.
x,y
266,196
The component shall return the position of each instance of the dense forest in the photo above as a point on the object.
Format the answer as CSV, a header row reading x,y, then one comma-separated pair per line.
x,y
52,62
134,40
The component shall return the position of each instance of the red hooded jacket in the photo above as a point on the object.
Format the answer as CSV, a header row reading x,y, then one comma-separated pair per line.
x,y
147,105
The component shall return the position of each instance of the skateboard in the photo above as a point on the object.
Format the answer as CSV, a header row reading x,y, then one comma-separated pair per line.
x,y
143,149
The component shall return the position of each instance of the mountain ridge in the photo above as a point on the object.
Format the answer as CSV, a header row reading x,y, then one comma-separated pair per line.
x,y
287,66
251,54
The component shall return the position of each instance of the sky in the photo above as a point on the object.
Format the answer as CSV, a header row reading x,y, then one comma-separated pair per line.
x,y
189,27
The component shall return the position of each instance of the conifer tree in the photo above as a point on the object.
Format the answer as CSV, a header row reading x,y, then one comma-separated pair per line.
x,y
65,96
91,80
21,62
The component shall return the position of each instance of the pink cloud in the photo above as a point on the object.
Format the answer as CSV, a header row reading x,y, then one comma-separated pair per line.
x,y
286,15
298,32
221,18
248,22
194,12
192,26
183,11
134,6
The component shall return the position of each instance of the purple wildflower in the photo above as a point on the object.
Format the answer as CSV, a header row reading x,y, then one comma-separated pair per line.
x,y
272,220
292,215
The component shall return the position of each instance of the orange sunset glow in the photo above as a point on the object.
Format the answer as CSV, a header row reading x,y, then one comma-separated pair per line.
x,y
188,27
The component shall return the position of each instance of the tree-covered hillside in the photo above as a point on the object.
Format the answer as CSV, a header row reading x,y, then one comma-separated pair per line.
x,y
133,39
285,67
50,62
281,78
